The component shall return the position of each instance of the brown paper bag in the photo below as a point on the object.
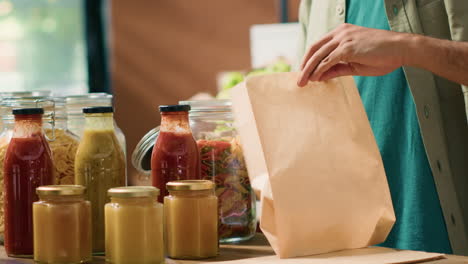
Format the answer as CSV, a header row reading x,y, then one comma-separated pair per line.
x,y
312,154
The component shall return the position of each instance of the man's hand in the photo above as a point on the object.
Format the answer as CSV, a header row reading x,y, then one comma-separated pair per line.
x,y
353,50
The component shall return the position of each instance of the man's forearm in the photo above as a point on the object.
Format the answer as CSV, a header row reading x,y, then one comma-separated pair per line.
x,y
448,59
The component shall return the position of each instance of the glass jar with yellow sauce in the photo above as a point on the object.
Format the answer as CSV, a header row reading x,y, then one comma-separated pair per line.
x,y
134,226
99,166
191,219
62,225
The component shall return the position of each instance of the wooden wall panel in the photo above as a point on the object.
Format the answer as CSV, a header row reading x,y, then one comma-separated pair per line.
x,y
163,51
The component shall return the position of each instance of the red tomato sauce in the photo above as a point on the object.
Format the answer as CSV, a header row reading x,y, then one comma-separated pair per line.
x,y
175,157
27,166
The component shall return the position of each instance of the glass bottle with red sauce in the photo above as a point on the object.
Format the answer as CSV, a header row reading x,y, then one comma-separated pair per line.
x,y
175,154
27,165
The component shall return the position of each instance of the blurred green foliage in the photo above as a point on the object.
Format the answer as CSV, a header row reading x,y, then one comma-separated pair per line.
x,y
51,48
234,78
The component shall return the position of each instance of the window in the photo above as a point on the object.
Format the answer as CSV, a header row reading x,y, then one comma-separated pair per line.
x,y
42,46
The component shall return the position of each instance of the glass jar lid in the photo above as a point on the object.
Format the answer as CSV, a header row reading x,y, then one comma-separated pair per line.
x,y
190,185
58,190
89,97
25,93
208,106
9,103
15,94
133,191
76,103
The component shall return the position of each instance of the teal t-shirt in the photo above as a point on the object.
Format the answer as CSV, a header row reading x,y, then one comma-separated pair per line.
x,y
391,111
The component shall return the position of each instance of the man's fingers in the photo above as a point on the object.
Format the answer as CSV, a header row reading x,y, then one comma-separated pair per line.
x,y
316,46
337,70
310,66
328,62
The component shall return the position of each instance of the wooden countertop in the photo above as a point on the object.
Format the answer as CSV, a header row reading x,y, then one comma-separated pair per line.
x,y
257,247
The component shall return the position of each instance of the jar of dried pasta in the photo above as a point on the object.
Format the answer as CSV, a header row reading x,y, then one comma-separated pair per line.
x,y
221,161
63,143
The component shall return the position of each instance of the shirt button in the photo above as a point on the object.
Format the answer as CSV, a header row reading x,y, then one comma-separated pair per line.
x,y
453,219
395,10
340,10
439,166
426,111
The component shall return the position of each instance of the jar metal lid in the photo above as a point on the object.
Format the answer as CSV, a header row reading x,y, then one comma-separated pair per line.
x,y
60,190
28,111
133,191
98,110
190,185
174,108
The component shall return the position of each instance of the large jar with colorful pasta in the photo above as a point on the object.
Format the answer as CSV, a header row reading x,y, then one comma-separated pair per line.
x,y
222,162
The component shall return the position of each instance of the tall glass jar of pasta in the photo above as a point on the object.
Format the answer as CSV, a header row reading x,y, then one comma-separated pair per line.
x,y
222,161
63,143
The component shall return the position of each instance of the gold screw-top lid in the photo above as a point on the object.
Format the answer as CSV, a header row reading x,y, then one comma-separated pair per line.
x,y
61,190
133,191
190,185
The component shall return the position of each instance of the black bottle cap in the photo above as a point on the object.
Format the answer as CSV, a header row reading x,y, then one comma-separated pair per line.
x,y
174,108
28,111
98,110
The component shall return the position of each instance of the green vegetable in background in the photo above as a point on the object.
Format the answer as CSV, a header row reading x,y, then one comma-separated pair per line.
x,y
279,66
234,78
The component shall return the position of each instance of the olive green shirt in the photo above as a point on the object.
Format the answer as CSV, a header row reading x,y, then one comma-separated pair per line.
x,y
440,104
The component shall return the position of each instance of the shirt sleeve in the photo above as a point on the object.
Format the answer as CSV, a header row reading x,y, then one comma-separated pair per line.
x,y
304,12
457,13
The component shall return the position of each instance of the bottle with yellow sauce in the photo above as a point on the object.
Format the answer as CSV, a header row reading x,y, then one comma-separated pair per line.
x,y
134,226
99,165
191,219
62,225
